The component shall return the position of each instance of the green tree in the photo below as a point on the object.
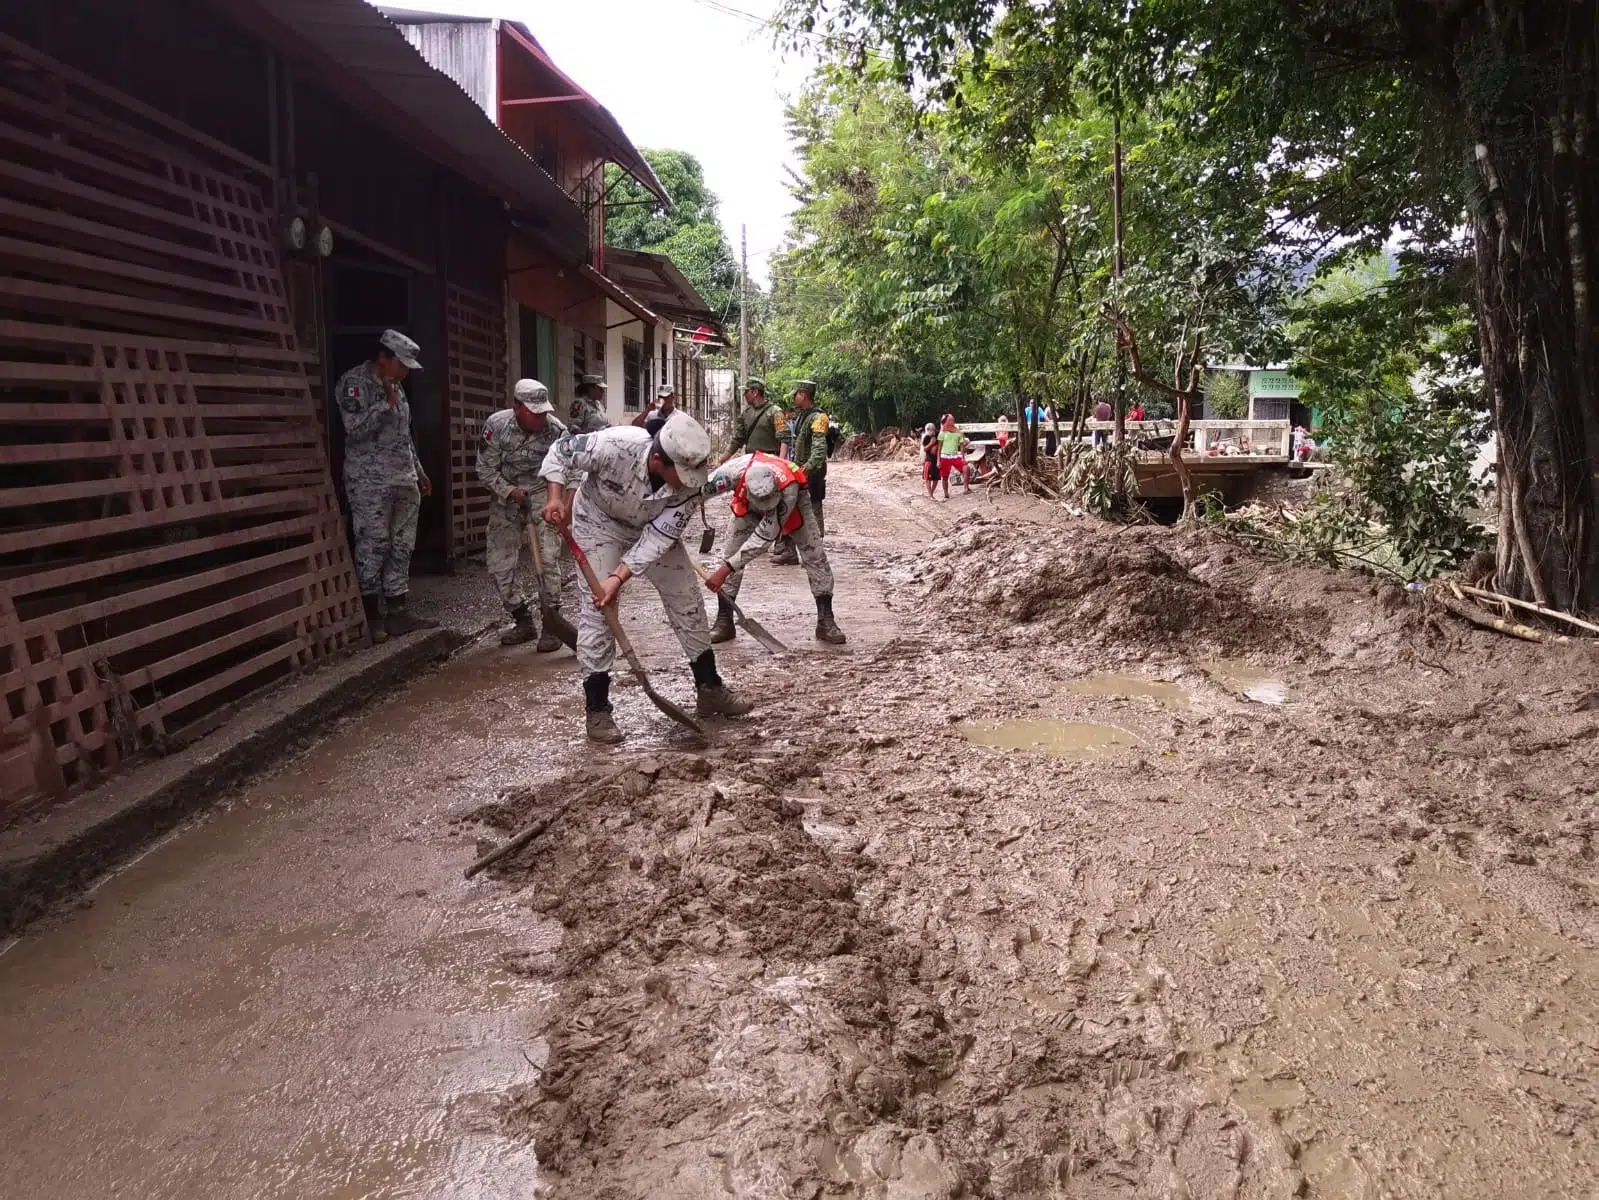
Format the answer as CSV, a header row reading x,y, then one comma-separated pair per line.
x,y
1363,117
1227,395
689,232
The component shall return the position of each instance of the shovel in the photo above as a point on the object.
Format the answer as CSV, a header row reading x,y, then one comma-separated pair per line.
x,y
749,624
554,622
615,622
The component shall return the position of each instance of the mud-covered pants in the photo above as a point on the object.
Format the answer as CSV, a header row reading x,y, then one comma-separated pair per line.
x,y
383,517
604,541
507,535
807,541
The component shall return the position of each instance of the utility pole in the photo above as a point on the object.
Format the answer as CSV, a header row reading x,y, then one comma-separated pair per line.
x,y
743,308
1120,399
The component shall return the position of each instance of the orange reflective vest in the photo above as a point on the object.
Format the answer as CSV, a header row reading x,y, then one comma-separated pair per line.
x,y
786,473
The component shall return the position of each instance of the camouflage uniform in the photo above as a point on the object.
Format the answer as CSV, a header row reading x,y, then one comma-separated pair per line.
x,y
381,474
810,454
508,457
751,535
621,516
585,417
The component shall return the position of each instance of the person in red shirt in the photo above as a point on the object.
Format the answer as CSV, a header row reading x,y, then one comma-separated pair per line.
x,y
1136,412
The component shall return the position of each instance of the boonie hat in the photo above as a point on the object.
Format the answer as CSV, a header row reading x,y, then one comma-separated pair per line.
x,y
684,440
533,396
402,347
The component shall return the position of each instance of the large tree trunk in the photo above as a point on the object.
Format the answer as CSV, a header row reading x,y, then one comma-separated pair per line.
x,y
1536,224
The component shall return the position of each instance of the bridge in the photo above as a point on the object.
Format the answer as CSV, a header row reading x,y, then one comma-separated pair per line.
x,y
1222,455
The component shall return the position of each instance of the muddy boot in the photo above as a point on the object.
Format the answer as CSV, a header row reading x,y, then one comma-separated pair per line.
x,y
722,629
597,700
400,621
523,631
548,642
712,697
827,629
374,619
784,554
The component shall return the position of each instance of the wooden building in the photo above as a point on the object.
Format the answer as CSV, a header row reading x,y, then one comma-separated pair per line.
x,y
209,209
595,320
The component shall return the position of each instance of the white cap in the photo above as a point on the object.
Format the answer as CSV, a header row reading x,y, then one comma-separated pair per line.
x,y
665,390
533,396
685,442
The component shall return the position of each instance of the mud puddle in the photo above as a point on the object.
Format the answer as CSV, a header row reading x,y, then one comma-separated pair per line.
x,y
1124,687
1063,739
1248,681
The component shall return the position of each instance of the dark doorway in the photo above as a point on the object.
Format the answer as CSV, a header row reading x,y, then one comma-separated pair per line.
x,y
365,297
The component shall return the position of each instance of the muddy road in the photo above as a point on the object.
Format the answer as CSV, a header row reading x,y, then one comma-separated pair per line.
x,y
1100,863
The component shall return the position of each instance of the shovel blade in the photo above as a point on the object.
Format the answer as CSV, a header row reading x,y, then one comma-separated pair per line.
x,y
758,631
707,540
669,707
555,623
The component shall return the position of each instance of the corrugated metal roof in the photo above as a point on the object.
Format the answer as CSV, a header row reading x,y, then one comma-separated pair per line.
x,y
359,54
618,293
623,152
656,280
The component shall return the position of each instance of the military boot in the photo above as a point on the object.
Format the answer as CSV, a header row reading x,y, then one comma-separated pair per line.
x,y
712,697
722,630
548,642
400,621
784,554
827,629
597,700
374,619
521,632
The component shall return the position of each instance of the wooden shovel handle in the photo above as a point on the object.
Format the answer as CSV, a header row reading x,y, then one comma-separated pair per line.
x,y
609,612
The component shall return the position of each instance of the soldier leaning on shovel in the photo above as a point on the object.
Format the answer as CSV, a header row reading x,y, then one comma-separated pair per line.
x,y
769,499
509,455
760,427
628,514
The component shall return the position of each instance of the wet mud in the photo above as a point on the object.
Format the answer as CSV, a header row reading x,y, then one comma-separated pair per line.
x,y
1317,921
1264,886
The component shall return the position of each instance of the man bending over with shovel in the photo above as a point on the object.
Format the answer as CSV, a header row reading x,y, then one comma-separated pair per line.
x,y
769,499
627,517
509,455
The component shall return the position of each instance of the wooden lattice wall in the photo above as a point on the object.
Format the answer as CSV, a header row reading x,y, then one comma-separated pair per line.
x,y
475,332
169,535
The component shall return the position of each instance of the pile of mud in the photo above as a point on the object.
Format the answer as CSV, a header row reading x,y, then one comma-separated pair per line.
x,y
1122,588
722,988
890,443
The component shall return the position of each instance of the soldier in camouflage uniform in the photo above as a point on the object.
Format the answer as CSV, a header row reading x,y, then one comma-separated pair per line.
x,y
628,516
810,448
760,426
383,481
587,414
769,498
509,456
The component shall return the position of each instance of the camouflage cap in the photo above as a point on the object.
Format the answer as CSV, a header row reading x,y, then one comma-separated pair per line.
x,y
755,385
402,347
593,381
805,385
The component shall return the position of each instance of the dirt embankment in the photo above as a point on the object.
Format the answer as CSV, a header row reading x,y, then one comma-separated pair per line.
x,y
1321,925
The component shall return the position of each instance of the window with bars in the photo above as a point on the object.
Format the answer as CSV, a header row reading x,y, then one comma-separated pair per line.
x,y
632,374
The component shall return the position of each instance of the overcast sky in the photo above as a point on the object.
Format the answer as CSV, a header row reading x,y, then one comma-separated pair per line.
x,y
686,75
